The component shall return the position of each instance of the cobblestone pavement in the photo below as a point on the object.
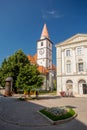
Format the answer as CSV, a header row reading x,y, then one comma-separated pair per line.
x,y
22,115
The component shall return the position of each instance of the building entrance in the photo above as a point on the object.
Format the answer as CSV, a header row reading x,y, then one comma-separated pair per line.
x,y
84,88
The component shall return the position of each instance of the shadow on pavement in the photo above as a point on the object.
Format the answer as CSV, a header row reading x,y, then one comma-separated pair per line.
x,y
48,97
24,116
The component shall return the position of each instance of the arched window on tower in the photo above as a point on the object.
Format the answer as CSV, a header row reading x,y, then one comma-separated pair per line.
x,y
41,43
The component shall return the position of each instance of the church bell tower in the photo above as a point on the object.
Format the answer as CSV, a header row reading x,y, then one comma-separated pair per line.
x,y
44,49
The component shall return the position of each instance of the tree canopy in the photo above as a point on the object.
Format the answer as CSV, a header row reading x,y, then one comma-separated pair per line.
x,y
29,77
18,67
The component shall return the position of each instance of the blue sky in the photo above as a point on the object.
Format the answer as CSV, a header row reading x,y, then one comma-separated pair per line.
x,y
21,23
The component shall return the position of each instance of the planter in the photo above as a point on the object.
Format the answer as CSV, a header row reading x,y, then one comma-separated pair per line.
x,y
63,94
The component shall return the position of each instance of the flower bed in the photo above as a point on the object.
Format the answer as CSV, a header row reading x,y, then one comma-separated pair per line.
x,y
58,113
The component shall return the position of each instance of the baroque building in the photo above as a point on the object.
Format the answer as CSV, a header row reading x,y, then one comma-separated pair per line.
x,y
71,59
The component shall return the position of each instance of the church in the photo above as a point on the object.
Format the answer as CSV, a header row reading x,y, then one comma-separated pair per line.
x,y
43,59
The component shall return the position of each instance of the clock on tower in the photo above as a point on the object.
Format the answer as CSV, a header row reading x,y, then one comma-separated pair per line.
x,y
41,51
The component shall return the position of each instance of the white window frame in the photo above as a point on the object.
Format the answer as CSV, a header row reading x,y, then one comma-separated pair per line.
x,y
68,52
79,50
80,67
68,67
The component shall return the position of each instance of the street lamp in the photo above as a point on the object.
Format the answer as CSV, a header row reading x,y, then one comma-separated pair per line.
x,y
52,75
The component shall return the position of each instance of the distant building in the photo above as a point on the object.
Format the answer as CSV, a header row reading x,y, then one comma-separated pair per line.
x,y
43,59
71,58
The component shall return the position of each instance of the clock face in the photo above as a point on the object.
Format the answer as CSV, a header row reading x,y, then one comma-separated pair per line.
x,y
41,51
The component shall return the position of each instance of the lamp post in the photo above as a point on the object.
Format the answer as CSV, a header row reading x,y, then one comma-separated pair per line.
x,y
52,75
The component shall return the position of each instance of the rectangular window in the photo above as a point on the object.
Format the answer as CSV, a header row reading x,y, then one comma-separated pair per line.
x,y
79,50
80,67
67,52
41,43
68,68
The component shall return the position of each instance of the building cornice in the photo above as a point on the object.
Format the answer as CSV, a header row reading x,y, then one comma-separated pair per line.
x,y
45,48
72,75
44,39
70,43
44,58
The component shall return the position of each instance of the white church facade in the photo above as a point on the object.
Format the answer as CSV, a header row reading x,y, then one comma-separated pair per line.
x,y
71,59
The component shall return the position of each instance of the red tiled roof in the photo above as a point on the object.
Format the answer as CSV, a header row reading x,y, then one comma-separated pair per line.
x,y
41,69
35,57
53,67
31,59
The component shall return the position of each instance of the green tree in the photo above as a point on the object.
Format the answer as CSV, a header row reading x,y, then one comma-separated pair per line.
x,y
11,66
25,76
29,78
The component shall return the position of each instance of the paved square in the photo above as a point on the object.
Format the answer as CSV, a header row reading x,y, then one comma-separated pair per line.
x,y
15,114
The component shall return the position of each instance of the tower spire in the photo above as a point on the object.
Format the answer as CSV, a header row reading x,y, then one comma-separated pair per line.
x,y
44,33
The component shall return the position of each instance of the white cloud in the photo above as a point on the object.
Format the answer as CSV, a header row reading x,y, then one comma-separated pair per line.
x,y
49,14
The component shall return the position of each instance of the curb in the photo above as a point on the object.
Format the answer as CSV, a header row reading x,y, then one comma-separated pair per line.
x,y
59,121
